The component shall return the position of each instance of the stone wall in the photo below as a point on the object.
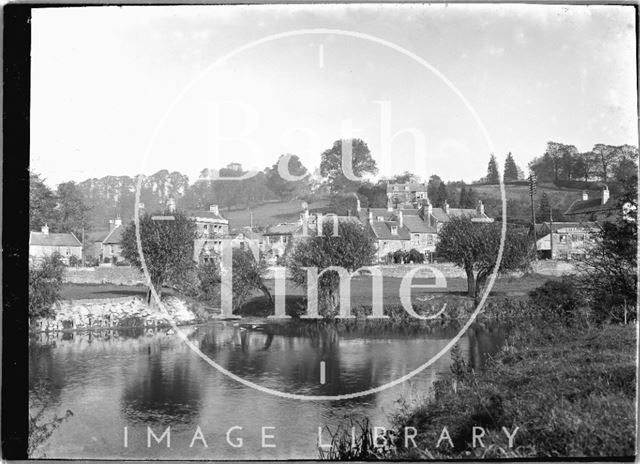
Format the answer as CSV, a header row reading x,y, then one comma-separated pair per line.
x,y
114,312
117,275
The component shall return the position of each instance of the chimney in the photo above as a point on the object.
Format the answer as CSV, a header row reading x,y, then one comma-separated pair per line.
x,y
319,224
171,204
605,194
446,208
45,229
394,230
112,224
400,219
429,208
370,216
214,209
117,223
480,207
389,205
358,208
585,195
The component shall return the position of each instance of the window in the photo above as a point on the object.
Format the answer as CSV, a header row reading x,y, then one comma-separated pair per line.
x,y
430,239
206,227
68,251
394,230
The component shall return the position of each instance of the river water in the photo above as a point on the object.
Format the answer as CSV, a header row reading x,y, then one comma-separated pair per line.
x,y
140,380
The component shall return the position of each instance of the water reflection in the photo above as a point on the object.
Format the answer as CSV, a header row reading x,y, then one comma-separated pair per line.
x,y
117,379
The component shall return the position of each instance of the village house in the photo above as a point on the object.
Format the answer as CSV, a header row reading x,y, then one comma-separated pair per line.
x,y
602,208
44,243
211,229
438,217
406,195
111,247
564,240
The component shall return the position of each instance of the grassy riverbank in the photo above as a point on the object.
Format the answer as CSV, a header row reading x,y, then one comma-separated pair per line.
x,y
571,392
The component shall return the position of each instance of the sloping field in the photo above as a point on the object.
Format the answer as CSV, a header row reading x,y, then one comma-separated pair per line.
x,y
270,213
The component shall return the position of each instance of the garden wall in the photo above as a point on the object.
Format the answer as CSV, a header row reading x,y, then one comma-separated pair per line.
x,y
117,275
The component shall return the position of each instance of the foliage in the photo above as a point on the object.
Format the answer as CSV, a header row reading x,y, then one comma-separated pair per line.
x,y
468,198
331,165
167,247
40,427
72,210
74,261
41,203
570,390
510,168
287,189
402,256
544,207
609,266
474,247
351,249
247,275
375,194
45,282
493,176
558,300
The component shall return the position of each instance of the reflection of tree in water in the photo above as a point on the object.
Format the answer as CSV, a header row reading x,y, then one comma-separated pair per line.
x,y
483,342
43,420
165,390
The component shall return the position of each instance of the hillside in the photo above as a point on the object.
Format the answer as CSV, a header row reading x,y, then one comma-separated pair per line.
x,y
270,213
519,202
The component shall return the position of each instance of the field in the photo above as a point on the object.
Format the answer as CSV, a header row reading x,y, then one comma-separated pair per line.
x,y
269,214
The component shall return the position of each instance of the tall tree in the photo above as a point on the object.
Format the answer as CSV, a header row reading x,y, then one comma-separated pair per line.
x,y
41,203
442,195
544,207
554,153
510,168
352,249
432,187
167,247
493,176
474,247
464,198
72,210
584,166
287,189
605,155
331,169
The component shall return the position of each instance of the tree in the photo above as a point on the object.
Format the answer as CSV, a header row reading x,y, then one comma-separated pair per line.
x,y
283,188
351,249
41,203
543,167
376,195
404,178
442,195
605,154
584,166
554,153
331,165
72,210
248,274
544,207
464,197
493,176
474,247
432,187
167,247
45,282
510,168
609,266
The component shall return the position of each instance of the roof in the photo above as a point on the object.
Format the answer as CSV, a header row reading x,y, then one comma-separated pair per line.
x,y
206,215
544,228
413,187
382,231
282,229
114,237
97,236
417,225
54,239
592,206
377,212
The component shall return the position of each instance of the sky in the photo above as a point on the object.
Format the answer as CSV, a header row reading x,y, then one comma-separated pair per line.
x,y
432,89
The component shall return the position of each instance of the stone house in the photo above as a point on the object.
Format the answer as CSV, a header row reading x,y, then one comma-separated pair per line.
x,y
570,239
211,228
44,243
602,208
111,246
406,195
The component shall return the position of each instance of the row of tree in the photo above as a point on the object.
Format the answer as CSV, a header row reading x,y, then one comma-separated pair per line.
x,y
511,170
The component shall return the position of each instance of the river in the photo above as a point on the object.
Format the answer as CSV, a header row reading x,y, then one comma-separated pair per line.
x,y
137,379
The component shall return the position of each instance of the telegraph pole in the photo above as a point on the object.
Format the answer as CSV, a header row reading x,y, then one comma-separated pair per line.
x,y
532,192
551,227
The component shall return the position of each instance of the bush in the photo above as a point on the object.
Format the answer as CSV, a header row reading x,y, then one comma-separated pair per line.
x,y
558,300
415,256
74,261
45,281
